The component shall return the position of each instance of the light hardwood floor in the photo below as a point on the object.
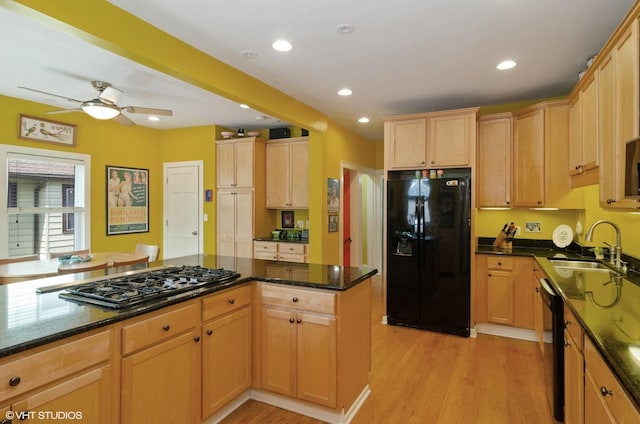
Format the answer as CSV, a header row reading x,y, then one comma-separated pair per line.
x,y
426,377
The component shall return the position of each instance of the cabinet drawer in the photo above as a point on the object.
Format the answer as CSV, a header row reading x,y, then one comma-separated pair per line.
x,y
159,327
291,257
617,401
304,299
268,256
296,248
265,246
499,262
38,369
226,301
573,327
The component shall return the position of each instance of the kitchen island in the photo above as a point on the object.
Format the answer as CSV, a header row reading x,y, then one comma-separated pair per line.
x,y
324,304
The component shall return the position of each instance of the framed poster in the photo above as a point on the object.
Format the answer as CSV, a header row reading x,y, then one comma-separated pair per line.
x,y
333,195
287,219
127,200
333,223
33,128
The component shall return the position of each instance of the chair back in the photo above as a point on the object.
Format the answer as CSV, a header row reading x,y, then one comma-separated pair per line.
x,y
150,250
62,270
19,259
130,262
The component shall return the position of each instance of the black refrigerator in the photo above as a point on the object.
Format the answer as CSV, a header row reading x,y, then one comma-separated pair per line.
x,y
428,250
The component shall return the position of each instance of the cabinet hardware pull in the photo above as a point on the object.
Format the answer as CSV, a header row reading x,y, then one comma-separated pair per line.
x,y
537,289
5,421
499,263
166,327
209,332
14,381
196,339
291,320
566,322
295,299
604,391
232,301
298,320
567,344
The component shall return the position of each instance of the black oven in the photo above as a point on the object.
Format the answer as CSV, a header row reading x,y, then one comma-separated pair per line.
x,y
553,316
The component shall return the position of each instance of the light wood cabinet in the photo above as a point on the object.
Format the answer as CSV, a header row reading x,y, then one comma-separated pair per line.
x,y
541,159
82,376
605,400
288,173
431,140
500,295
235,222
161,366
524,292
574,381
538,317
495,137
235,161
226,347
280,251
583,128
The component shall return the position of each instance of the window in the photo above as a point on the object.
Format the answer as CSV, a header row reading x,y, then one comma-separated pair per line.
x,y
45,192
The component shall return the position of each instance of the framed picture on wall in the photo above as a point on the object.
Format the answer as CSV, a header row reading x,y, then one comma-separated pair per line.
x,y
287,219
333,195
333,223
127,200
40,129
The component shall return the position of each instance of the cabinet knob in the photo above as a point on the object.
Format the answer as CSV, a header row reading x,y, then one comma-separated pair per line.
x,y
196,339
567,344
499,263
291,320
294,300
166,327
489,274
539,202
298,320
209,332
604,391
232,301
14,381
566,322
5,421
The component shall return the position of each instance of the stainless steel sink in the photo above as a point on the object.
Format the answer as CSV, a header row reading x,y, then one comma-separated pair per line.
x,y
579,265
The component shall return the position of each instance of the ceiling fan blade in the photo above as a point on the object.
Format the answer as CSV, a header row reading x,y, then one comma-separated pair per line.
x,y
54,112
147,110
110,95
123,120
51,94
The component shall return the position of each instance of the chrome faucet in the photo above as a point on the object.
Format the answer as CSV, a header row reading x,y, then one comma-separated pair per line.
x,y
615,252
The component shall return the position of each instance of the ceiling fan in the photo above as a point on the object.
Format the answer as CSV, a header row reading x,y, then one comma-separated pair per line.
x,y
104,106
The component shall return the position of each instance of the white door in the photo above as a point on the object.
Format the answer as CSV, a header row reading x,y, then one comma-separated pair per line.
x,y
182,209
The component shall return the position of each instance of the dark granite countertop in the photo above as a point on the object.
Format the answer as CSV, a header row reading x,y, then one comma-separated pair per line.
x,y
33,319
608,309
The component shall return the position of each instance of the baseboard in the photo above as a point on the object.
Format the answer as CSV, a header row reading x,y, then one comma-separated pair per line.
x,y
504,331
308,409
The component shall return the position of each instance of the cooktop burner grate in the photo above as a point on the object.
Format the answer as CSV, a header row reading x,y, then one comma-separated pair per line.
x,y
130,290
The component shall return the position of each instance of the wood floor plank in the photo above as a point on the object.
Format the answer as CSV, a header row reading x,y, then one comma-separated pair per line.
x,y
427,377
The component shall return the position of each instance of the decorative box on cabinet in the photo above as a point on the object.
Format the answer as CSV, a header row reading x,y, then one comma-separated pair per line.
x,y
288,173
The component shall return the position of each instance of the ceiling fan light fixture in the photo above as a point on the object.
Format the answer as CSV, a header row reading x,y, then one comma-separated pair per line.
x,y
99,110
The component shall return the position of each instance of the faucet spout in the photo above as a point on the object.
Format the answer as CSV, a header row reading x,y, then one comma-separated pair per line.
x,y
615,256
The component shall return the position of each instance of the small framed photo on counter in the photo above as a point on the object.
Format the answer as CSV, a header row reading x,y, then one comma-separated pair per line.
x,y
287,219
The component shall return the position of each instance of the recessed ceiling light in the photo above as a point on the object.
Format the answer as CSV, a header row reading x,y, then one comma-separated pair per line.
x,y
243,106
282,45
507,64
249,54
153,118
345,92
345,29
363,120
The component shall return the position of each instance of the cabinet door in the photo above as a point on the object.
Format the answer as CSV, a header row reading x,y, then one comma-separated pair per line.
x,y
528,155
494,161
573,382
226,165
244,163
500,297
162,384
226,360
524,293
87,396
407,143
449,139
279,351
244,223
299,174
595,408
316,355
606,131
575,136
278,175
588,124
225,223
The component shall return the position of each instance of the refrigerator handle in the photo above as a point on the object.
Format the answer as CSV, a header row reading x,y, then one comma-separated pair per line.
x,y
423,224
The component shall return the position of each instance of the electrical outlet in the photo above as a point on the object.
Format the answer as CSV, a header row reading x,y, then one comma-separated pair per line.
x,y
517,230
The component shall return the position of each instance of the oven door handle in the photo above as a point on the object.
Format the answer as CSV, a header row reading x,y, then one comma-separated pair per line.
x,y
545,284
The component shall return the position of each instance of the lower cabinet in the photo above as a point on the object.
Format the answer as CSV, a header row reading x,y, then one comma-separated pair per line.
x,y
574,381
226,348
82,378
280,251
161,367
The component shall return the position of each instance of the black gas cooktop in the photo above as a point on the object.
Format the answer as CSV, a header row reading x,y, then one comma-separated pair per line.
x,y
122,292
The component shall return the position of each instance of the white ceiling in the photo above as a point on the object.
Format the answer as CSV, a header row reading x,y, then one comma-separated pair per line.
x,y
405,56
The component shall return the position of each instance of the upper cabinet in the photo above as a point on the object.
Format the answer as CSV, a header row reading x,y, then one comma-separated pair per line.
x,y
288,173
431,140
495,137
235,163
583,132
540,155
